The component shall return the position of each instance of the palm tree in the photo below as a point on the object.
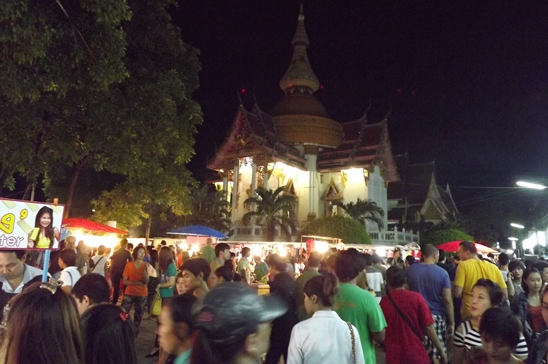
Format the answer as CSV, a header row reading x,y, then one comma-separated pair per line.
x,y
274,209
363,210
210,208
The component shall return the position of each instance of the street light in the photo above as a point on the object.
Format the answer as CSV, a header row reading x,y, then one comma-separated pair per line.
x,y
517,226
534,186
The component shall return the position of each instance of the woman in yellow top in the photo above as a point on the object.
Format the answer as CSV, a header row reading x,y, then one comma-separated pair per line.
x,y
44,235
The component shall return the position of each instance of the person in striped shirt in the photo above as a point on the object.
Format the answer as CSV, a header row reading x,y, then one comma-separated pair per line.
x,y
485,294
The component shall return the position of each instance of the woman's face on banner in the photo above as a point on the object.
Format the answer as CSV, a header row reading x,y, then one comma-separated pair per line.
x,y
45,220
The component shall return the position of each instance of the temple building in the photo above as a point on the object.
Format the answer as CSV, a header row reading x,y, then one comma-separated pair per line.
x,y
298,145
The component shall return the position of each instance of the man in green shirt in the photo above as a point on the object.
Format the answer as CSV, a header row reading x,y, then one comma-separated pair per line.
x,y
208,253
312,271
356,305
244,268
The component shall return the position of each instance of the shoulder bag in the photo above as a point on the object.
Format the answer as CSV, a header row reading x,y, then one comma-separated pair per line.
x,y
353,338
405,319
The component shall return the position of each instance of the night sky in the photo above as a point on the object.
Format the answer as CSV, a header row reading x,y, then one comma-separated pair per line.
x,y
467,82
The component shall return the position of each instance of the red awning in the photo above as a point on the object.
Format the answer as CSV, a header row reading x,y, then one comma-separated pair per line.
x,y
79,223
453,247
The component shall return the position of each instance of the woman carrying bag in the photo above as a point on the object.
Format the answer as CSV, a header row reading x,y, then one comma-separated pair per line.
x,y
166,275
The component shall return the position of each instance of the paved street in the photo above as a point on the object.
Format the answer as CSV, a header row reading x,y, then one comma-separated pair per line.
x,y
145,342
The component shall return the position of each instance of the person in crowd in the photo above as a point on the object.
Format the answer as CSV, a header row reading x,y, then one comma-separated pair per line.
x,y
118,261
107,335
500,334
356,305
375,280
14,273
175,329
313,266
377,264
222,274
261,268
539,347
409,319
136,292
167,276
308,344
515,276
179,285
504,260
244,268
98,263
330,264
442,261
208,252
234,325
152,278
528,305
130,247
397,258
409,261
485,294
82,256
542,267
70,274
284,287
91,289
222,254
432,282
195,275
41,309
44,235
469,271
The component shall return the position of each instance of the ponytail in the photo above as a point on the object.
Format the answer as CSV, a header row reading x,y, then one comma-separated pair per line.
x,y
325,287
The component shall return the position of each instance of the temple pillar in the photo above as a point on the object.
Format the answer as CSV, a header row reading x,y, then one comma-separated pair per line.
x,y
225,187
311,156
253,179
235,192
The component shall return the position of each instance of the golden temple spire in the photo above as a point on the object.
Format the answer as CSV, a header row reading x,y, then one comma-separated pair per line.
x,y
299,77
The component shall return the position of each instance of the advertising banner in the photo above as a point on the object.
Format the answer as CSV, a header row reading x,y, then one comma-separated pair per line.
x,y
29,225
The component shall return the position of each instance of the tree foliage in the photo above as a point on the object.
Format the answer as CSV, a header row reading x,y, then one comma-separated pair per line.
x,y
272,208
338,226
440,236
209,208
363,211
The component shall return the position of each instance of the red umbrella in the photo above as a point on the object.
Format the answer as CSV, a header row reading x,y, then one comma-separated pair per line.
x,y
453,247
78,223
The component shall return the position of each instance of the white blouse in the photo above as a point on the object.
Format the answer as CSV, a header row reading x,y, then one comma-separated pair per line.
x,y
323,338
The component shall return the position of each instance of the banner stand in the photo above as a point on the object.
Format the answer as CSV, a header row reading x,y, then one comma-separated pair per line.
x,y
45,265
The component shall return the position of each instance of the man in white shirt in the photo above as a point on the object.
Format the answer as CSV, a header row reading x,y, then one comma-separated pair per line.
x,y
70,274
14,273
99,262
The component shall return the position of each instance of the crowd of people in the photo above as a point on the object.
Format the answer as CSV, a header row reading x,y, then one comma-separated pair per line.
x,y
341,307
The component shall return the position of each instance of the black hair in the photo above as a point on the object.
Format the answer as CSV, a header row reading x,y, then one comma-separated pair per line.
x,y
123,243
368,259
516,264
93,285
441,256
526,274
19,254
540,265
498,323
395,276
181,312
197,266
348,264
221,247
68,256
504,259
469,246
376,258
493,290
225,272
108,336
314,260
277,262
136,251
428,251
245,251
325,287
410,260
